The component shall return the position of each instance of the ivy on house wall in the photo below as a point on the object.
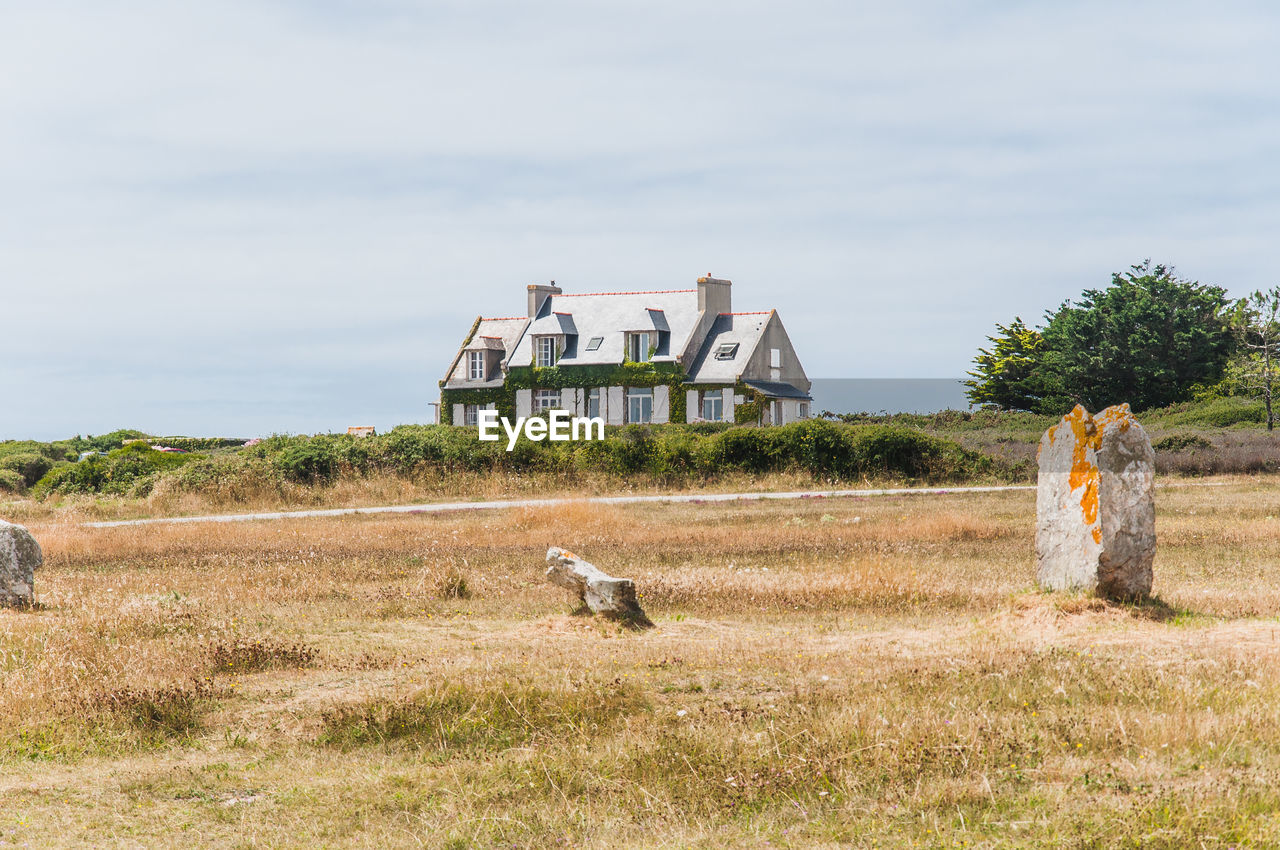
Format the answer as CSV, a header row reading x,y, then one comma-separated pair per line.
x,y
679,404
748,413
628,374
502,398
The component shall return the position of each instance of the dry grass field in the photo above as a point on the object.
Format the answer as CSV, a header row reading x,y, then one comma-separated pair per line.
x,y
823,673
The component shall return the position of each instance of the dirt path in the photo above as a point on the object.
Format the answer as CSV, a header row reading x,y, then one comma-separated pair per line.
x,y
444,507
673,498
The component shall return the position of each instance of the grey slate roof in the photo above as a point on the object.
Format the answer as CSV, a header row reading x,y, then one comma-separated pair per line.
x,y
501,334
745,329
554,323
778,389
612,315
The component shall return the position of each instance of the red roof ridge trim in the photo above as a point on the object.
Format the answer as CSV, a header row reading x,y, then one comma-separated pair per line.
x,y
503,318
749,313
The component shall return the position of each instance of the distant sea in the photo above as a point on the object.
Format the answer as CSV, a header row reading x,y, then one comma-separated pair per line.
x,y
888,395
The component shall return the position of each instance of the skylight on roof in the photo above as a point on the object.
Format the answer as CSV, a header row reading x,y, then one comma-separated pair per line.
x,y
594,343
726,350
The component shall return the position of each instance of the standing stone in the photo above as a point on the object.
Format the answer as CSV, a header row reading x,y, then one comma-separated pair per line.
x,y
19,557
1095,505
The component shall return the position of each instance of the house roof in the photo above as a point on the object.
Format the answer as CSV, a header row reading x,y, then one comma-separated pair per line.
x,y
778,389
742,329
611,315
500,334
553,323
506,331
483,343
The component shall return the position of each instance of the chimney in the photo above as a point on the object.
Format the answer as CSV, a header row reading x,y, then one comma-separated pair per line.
x,y
713,296
538,295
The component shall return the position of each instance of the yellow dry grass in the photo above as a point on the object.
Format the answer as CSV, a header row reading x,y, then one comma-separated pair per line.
x,y
848,672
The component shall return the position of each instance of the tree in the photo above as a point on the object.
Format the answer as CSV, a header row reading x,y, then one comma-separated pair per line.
x,y
1259,338
1147,339
1009,374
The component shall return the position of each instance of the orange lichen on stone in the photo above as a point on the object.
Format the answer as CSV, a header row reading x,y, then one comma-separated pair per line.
x,y
1119,415
1084,472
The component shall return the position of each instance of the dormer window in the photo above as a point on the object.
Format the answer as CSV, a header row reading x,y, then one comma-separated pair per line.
x,y
475,365
726,350
547,350
640,346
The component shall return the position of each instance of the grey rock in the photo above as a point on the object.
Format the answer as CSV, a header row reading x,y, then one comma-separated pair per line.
x,y
603,594
1095,505
20,556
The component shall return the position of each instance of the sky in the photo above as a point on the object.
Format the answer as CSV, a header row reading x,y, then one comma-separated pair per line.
x,y
244,218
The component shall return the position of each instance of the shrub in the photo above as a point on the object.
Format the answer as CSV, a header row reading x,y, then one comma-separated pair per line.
x,y
312,462
199,444
30,466
1219,413
1182,443
126,471
11,481
748,449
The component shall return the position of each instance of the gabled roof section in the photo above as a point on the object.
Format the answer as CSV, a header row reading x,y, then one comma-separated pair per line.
x,y
554,323
611,315
500,334
507,330
738,333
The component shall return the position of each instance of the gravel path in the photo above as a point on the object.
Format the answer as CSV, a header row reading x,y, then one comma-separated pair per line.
x,y
675,498
443,507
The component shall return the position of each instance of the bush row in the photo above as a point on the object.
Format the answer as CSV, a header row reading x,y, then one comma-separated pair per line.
x,y
826,450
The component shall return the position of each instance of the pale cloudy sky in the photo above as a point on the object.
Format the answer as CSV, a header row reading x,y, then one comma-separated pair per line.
x,y
246,217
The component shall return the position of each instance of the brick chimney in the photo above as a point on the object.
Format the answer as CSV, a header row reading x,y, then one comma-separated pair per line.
x,y
714,296
538,295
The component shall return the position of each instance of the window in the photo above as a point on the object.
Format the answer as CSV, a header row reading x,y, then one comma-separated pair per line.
x,y
802,410
546,350
475,365
713,406
544,400
471,414
775,357
593,403
726,350
638,345
640,405
594,343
